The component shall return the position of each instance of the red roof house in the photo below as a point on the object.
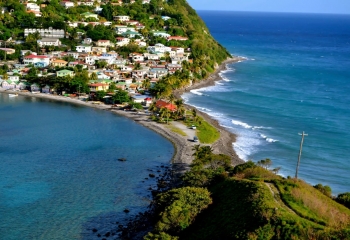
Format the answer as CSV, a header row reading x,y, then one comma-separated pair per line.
x,y
162,104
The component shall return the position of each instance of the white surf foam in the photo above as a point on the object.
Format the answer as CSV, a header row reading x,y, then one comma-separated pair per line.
x,y
260,127
194,91
242,124
271,140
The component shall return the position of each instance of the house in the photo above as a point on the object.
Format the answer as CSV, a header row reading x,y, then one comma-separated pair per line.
x,y
64,73
37,60
84,48
172,68
34,88
166,18
58,63
177,38
158,48
8,84
121,18
137,57
99,50
75,55
139,26
49,42
87,15
67,4
45,33
46,89
94,87
162,104
163,34
74,64
122,29
91,59
130,34
138,98
32,7
151,56
104,43
122,41
159,72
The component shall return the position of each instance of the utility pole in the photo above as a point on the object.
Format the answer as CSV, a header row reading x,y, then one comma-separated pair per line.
x,y
300,149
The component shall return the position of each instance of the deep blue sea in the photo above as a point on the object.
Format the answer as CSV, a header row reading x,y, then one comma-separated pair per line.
x,y
59,173
296,78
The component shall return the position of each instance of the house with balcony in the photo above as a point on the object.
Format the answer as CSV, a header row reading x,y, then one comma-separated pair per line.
x,y
37,60
121,18
49,42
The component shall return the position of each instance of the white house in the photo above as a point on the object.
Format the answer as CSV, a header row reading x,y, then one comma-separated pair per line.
x,y
33,7
37,60
91,59
158,48
122,41
122,29
67,4
45,33
121,18
83,48
161,34
49,42
104,43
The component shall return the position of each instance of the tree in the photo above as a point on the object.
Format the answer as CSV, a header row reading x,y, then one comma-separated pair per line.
x,y
165,112
326,190
100,95
121,96
179,207
344,198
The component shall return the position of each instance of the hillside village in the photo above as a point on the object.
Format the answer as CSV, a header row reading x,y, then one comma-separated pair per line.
x,y
72,60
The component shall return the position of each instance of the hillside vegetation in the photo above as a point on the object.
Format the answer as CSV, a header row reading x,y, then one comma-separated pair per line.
x,y
251,202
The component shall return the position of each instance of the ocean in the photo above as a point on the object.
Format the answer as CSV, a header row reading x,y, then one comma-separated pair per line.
x,y
296,77
59,171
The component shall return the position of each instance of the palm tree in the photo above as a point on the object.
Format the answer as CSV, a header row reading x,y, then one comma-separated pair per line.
x,y
93,76
165,112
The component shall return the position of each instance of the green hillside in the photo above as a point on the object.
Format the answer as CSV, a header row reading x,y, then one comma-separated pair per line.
x,y
251,202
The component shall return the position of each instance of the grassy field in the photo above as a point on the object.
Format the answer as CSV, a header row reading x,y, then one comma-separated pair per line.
x,y
176,130
206,133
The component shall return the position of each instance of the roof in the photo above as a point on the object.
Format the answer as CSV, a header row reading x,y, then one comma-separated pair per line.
x,y
98,84
36,56
163,104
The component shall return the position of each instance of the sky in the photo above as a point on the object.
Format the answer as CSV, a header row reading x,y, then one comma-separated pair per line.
x,y
302,6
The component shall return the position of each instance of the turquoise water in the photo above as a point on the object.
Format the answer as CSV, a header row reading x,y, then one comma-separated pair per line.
x,y
296,78
59,173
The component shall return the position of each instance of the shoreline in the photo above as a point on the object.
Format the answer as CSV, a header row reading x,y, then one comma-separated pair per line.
x,y
182,147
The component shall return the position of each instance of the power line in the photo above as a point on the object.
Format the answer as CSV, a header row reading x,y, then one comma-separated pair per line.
x,y
300,149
